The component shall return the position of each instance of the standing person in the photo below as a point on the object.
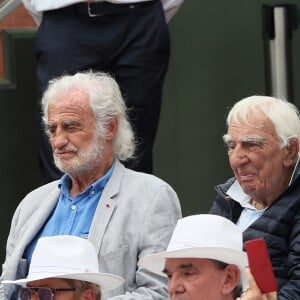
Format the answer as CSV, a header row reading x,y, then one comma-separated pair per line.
x,y
65,267
263,198
205,260
125,214
126,38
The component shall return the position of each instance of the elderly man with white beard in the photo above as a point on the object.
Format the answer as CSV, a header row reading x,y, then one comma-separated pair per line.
x,y
125,214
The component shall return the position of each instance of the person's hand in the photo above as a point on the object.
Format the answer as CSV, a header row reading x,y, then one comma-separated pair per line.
x,y
253,292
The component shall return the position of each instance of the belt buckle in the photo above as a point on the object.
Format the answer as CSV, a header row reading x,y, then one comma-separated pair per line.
x,y
89,10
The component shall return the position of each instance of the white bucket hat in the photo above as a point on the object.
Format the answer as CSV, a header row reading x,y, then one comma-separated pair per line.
x,y
68,257
202,236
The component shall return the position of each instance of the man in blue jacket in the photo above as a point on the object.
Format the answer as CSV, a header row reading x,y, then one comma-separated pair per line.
x,y
263,198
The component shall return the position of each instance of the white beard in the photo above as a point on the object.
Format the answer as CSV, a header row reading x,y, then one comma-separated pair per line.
x,y
84,160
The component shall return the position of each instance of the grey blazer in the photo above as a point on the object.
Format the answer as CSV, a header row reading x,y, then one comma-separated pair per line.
x,y
135,216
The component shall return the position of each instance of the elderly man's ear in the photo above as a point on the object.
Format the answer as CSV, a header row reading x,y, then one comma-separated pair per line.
x,y
291,153
231,279
112,129
88,294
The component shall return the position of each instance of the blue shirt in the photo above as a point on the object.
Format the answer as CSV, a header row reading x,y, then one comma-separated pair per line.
x,y
71,216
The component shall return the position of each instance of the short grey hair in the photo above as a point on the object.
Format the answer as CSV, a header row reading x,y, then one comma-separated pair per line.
x,y
282,114
106,102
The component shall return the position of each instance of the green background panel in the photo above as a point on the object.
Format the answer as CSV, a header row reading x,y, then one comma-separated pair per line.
x,y
217,59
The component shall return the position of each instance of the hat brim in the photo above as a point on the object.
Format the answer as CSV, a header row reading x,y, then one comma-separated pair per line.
x,y
156,262
104,280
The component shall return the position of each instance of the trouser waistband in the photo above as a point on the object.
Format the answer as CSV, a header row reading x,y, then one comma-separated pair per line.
x,y
98,9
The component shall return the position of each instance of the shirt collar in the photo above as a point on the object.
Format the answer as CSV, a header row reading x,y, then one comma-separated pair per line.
x,y
236,193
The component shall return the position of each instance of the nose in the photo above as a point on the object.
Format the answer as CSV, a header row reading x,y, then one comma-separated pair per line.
x,y
34,296
59,139
238,156
175,285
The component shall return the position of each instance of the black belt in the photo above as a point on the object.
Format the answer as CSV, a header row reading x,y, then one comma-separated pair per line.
x,y
98,9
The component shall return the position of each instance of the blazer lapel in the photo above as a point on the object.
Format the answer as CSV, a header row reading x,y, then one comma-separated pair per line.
x,y
106,206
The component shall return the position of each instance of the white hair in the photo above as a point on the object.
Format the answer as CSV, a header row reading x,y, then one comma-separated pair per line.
x,y
106,102
282,114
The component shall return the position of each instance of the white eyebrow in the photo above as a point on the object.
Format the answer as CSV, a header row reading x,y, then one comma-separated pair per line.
x,y
253,138
247,138
227,138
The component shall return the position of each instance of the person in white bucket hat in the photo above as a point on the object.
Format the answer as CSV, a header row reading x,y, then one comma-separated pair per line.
x,y
204,260
65,267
